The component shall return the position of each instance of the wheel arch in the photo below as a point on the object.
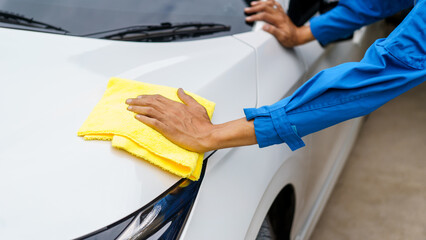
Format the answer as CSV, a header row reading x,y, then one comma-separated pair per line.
x,y
281,212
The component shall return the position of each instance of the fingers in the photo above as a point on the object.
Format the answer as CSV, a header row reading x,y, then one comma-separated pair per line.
x,y
142,100
155,106
254,3
147,111
153,123
264,16
271,3
271,7
191,102
185,98
156,101
260,8
274,31
268,11
278,6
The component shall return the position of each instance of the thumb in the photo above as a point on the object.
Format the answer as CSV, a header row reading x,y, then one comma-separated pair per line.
x,y
185,98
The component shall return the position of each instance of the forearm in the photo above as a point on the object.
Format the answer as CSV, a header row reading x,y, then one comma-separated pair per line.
x,y
304,35
235,133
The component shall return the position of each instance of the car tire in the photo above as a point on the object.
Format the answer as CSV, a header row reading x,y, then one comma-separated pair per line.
x,y
265,232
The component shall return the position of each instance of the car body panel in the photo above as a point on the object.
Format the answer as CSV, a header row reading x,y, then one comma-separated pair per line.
x,y
54,184
278,68
262,173
227,202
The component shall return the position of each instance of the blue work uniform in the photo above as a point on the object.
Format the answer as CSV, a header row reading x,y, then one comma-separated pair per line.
x,y
391,66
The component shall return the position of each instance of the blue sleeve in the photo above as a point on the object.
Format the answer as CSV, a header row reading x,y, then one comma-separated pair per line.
x,y
350,15
390,67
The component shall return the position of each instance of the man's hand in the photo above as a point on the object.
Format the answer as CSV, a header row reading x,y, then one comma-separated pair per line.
x,y
278,23
186,124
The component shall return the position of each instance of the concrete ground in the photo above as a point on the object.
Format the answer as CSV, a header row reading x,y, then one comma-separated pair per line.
x,y
381,192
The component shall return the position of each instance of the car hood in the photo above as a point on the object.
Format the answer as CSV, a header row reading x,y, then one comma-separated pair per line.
x,y
55,185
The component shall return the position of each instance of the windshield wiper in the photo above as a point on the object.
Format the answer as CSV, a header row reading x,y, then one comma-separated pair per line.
x,y
161,33
17,19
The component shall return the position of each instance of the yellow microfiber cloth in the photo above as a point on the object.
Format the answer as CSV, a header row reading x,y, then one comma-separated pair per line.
x,y
110,120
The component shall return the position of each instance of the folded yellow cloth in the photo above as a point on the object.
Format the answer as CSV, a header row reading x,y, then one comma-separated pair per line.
x,y
110,120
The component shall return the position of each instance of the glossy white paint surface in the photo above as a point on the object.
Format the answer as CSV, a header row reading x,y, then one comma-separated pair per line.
x,y
278,68
55,185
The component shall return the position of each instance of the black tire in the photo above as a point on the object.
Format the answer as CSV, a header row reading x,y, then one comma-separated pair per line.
x,y
279,219
265,231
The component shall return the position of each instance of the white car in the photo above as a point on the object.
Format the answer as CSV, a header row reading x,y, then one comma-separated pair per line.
x,y
55,185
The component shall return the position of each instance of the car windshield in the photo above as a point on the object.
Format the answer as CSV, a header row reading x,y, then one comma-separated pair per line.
x,y
82,17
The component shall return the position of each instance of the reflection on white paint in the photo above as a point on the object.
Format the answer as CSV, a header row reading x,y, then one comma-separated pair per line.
x,y
151,67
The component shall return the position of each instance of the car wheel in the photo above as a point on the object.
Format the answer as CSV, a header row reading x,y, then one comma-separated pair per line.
x,y
265,231
279,219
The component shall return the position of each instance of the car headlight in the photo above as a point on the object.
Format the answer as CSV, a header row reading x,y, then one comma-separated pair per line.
x,y
163,218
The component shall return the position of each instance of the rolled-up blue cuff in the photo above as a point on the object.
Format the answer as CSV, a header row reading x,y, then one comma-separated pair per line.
x,y
273,127
256,112
286,131
265,132
263,126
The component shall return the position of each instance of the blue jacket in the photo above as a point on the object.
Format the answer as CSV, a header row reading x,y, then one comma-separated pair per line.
x,y
390,67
